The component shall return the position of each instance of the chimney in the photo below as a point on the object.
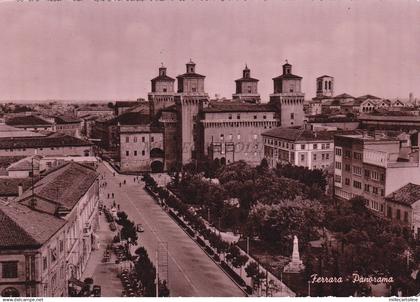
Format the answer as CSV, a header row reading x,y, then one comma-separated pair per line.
x,y
20,189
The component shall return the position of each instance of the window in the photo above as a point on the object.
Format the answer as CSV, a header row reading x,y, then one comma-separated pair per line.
x,y
357,184
323,156
292,116
382,177
347,154
338,151
347,181
127,139
238,117
53,254
135,139
389,212
135,152
315,146
302,157
398,214
264,117
322,146
347,167
375,175
44,263
143,153
302,147
230,116
327,156
375,190
357,155
255,117
357,170
127,153
367,188
405,216
222,137
9,269
152,139
327,146
367,173
338,165
382,192
337,178
314,156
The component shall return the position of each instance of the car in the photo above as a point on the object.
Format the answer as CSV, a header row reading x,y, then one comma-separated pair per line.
x,y
112,226
140,228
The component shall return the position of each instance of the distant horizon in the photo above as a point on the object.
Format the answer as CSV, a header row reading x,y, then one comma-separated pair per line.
x,y
106,51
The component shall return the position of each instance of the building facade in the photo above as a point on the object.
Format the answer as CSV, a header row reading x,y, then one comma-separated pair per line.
x,y
373,166
298,147
247,88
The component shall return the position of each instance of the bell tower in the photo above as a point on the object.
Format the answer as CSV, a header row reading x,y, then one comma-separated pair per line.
x,y
325,86
288,98
162,94
247,88
190,99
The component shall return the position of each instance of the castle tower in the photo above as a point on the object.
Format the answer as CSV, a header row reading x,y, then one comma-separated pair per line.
x,y
325,86
162,94
190,100
288,98
247,88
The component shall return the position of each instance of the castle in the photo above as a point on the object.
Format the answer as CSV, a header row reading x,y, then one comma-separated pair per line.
x,y
185,126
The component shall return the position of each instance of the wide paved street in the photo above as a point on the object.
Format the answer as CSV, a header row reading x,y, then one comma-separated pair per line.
x,y
191,271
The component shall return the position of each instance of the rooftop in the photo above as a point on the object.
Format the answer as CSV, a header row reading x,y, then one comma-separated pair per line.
x,y
293,134
406,195
9,131
163,78
344,96
9,187
236,106
65,119
53,140
287,77
6,161
190,75
64,185
27,120
21,226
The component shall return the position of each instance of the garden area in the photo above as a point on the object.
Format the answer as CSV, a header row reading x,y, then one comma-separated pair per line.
x,y
267,207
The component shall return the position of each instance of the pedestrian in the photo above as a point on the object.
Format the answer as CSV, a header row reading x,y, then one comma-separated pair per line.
x,y
113,196
113,173
108,195
134,179
124,181
118,207
120,185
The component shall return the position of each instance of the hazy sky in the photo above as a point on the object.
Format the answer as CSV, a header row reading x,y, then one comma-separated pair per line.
x,y
108,50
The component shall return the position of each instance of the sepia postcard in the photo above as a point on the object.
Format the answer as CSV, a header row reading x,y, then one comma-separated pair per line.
x,y
187,148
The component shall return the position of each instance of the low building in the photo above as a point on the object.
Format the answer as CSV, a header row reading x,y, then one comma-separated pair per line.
x,y
26,167
30,122
32,253
7,131
71,193
339,122
68,125
123,106
98,110
55,144
402,121
141,144
403,207
299,147
12,188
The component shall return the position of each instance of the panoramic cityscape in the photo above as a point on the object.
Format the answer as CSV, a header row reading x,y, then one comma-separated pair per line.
x,y
178,172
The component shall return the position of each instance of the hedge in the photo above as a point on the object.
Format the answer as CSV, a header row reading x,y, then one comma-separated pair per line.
x,y
232,273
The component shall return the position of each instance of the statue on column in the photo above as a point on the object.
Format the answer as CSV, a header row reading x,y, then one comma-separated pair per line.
x,y
295,265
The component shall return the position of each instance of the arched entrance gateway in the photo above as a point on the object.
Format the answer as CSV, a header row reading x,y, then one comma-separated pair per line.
x,y
157,166
10,292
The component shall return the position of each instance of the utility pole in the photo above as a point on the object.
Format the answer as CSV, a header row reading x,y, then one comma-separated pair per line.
x,y
157,274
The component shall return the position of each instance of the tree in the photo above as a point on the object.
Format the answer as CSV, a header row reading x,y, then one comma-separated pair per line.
x,y
253,271
111,105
